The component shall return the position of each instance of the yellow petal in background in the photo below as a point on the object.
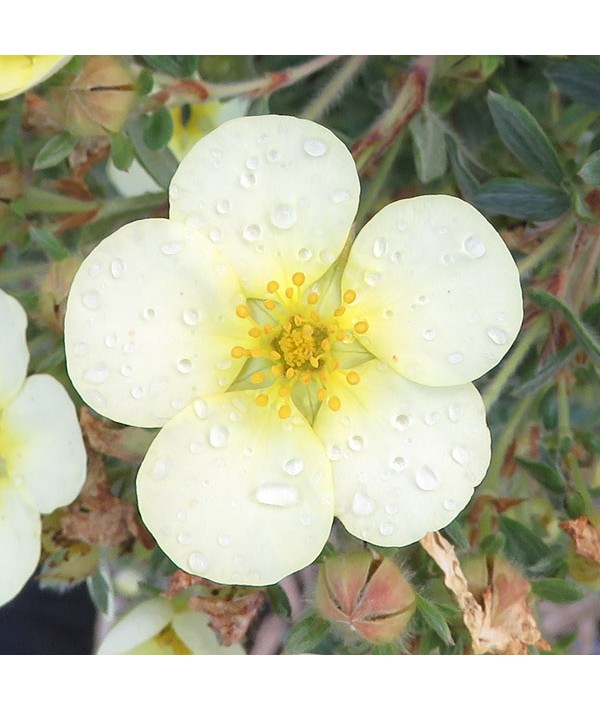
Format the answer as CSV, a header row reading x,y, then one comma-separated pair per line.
x,y
19,72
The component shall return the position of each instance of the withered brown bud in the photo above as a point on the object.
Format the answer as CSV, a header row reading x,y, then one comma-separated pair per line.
x,y
368,594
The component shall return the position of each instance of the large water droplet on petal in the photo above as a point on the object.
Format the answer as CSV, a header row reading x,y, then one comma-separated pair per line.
x,y
362,505
372,278
117,268
97,374
474,247
275,494
315,147
218,436
283,216
356,443
161,469
497,335
293,467
427,479
386,528
191,317
455,357
379,247
92,300
461,455
170,248
197,562
201,409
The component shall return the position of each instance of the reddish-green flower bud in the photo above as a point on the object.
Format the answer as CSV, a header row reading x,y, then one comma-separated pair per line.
x,y
369,595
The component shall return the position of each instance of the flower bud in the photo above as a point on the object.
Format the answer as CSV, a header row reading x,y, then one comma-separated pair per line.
x,y
368,594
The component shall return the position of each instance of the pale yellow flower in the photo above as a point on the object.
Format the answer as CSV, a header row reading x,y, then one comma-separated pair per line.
x,y
291,387
42,457
19,72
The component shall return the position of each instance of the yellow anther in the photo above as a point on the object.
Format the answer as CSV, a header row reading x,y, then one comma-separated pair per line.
x,y
277,370
267,328
289,292
321,394
242,311
262,400
287,326
340,311
298,278
276,355
239,352
284,391
256,352
340,335
298,320
305,378
353,378
334,403
289,373
312,298
269,304
349,296
314,362
325,344
361,327
255,332
284,412
272,287
257,378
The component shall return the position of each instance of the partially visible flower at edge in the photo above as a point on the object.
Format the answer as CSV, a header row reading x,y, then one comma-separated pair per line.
x,y
160,626
291,387
42,457
20,72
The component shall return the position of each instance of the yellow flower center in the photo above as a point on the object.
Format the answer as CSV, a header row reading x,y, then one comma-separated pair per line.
x,y
298,343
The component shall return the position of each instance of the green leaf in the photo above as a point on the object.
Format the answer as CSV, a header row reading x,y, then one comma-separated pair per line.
x,y
493,544
158,129
100,591
455,531
587,336
467,182
557,590
182,65
54,151
590,170
519,198
306,635
161,165
522,544
121,151
579,79
524,138
48,242
429,146
544,474
280,603
433,618
546,372
574,505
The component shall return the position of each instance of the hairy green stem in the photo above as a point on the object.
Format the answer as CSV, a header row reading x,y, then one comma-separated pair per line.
x,y
333,90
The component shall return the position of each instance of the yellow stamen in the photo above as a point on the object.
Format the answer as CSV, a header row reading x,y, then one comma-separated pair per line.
x,y
305,378
269,304
284,391
334,403
284,412
349,296
289,373
353,378
361,327
277,370
239,352
321,394
289,292
276,355
256,352
325,344
242,311
267,328
257,378
312,298
298,278
340,311
262,400
255,332
272,287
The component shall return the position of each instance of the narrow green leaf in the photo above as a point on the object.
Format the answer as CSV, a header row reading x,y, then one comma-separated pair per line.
x,y
158,129
161,165
544,474
100,591
48,242
493,543
519,198
38,200
429,147
547,371
54,151
557,590
524,137
455,531
121,151
280,603
522,545
586,335
433,618
590,170
306,635
467,182
579,79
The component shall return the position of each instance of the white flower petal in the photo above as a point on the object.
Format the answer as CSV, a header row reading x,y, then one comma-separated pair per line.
x,y
20,532
235,494
14,356
151,322
137,626
405,457
41,443
276,194
192,629
438,288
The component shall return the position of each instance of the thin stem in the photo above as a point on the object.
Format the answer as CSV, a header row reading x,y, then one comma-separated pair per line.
x,y
510,364
528,263
333,90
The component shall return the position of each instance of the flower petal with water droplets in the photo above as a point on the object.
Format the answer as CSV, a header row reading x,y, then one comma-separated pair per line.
x,y
422,451
14,356
217,491
151,322
438,288
276,194
137,626
41,442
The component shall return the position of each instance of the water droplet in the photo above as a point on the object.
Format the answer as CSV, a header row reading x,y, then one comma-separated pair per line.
x,y
427,479
399,464
170,248
461,455
92,299
117,268
379,247
273,156
216,153
386,528
362,505
111,340
474,247
181,516
293,467
248,180
95,270
372,278
431,418
396,257
81,349
315,147
326,256
177,405
201,409
455,357
429,334
501,316
497,335
450,504
422,299
248,451
402,226
388,313
339,196
276,494
196,447
334,452
197,562
224,541
283,216
184,365
129,348
263,138
97,374
448,260
126,370
137,391
252,163
304,254
161,469
184,538
454,412
223,207
356,443
218,436
402,421
149,314
214,235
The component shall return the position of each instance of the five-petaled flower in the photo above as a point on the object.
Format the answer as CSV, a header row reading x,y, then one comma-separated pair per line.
x,y
42,457
19,72
292,385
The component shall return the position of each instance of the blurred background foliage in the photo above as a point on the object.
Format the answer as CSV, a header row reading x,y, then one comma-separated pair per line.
x,y
518,137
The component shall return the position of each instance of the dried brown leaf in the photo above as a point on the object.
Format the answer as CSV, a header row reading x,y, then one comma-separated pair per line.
x,y
54,290
127,443
585,536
